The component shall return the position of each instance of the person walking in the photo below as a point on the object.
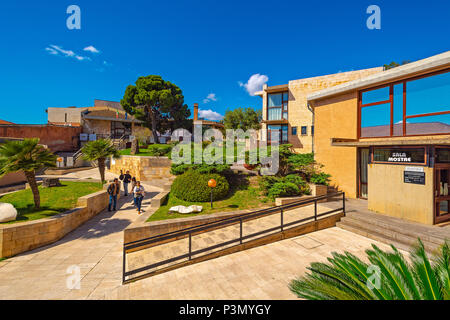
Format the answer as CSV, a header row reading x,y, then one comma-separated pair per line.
x,y
126,181
139,194
133,184
113,190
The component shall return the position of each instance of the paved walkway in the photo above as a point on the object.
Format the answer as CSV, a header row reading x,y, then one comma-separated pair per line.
x,y
258,273
95,247
205,240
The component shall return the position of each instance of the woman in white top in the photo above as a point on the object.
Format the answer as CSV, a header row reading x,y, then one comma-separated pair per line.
x,y
139,194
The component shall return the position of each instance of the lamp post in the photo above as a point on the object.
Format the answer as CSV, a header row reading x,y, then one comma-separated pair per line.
x,y
212,184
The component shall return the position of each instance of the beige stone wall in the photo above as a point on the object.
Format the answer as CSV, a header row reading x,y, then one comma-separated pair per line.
x,y
143,168
298,112
21,237
337,118
12,178
389,195
97,126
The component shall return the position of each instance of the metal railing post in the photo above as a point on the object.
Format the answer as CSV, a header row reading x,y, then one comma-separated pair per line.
x,y
190,245
240,231
315,210
123,265
282,222
343,202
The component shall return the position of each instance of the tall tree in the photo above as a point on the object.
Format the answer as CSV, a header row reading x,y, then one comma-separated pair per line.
x,y
99,151
27,156
158,102
243,119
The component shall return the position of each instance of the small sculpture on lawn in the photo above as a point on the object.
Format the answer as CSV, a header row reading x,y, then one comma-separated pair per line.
x,y
134,147
7,212
183,209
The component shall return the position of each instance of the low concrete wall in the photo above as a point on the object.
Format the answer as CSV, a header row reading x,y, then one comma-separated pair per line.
x,y
12,179
143,168
21,237
316,191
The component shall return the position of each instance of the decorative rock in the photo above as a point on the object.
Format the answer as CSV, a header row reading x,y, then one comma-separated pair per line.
x,y
51,182
183,209
7,212
134,147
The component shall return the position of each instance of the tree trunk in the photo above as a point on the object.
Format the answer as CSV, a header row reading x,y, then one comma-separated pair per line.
x,y
101,168
31,178
153,119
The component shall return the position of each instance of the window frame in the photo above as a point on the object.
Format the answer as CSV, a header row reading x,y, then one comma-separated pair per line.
x,y
306,130
424,163
292,131
279,107
391,102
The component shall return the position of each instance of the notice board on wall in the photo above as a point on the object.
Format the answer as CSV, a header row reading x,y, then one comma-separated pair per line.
x,y
414,177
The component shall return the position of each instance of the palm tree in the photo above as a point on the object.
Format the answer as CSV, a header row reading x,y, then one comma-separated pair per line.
x,y
27,156
99,151
348,278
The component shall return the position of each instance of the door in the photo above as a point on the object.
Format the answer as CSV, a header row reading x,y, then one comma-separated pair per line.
x,y
363,164
441,191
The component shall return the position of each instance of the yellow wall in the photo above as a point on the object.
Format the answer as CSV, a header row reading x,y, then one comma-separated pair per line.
x,y
337,118
389,195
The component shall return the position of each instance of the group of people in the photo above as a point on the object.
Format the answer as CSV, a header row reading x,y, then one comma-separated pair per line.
x,y
137,191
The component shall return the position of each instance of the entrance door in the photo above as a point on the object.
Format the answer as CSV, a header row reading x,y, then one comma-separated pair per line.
x,y
363,164
441,191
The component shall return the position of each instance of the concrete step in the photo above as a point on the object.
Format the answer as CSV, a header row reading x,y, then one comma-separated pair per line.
x,y
404,239
431,234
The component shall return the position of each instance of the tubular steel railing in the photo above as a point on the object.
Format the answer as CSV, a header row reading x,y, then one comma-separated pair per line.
x,y
189,232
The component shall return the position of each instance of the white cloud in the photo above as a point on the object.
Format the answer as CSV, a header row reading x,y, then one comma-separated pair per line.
x,y
91,49
210,97
210,115
57,50
254,83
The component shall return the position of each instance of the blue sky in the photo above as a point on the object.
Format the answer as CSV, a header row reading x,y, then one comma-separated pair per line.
x,y
205,47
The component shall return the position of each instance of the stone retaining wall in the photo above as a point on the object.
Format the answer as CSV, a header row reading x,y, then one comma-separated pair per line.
x,y
143,168
24,236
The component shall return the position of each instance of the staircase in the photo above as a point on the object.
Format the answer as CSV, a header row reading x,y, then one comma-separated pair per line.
x,y
402,234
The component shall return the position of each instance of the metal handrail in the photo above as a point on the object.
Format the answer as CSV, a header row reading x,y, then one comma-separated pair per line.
x,y
223,223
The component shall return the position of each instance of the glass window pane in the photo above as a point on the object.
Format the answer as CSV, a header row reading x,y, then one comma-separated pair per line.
x,y
275,100
428,125
285,115
376,121
376,95
442,155
285,96
398,109
427,95
274,114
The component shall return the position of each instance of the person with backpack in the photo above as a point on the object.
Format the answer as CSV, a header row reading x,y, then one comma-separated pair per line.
x,y
113,190
126,180
133,184
139,194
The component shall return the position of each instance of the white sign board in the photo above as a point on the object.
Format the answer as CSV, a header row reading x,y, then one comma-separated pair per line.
x,y
69,162
414,169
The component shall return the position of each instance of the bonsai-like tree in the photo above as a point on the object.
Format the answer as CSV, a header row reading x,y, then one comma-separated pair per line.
x,y
156,102
99,151
389,277
27,156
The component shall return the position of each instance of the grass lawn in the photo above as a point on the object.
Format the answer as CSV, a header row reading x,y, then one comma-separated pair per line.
x,y
142,152
241,196
53,200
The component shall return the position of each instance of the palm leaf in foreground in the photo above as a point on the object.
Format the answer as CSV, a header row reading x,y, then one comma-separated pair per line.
x,y
346,277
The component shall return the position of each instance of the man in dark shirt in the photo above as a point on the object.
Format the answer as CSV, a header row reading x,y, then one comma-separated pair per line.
x,y
126,181
113,191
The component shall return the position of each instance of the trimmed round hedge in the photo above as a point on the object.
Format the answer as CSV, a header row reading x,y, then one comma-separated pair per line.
x,y
193,186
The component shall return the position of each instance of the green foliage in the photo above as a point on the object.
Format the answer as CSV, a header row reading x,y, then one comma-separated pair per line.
x,y
299,182
394,64
159,150
320,178
99,149
193,186
154,100
244,119
283,189
301,160
346,277
26,155
266,182
222,169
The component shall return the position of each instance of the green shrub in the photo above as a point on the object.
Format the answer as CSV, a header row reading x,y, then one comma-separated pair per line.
x,y
193,186
222,169
159,150
266,182
320,178
299,182
283,189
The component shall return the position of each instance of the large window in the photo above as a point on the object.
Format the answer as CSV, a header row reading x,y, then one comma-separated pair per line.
x,y
277,133
418,106
277,106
